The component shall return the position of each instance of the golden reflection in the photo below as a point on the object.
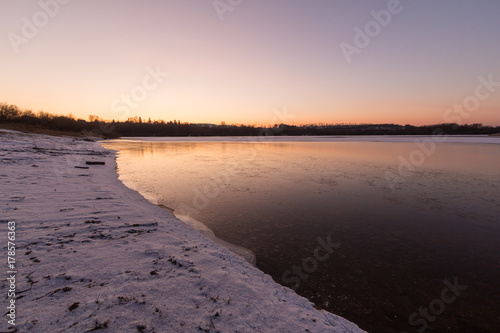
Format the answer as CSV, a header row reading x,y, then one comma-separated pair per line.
x,y
483,158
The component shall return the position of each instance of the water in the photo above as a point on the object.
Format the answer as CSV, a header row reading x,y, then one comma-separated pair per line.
x,y
392,242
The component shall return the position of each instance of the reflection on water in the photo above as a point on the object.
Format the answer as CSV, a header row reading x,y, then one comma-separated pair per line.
x,y
396,246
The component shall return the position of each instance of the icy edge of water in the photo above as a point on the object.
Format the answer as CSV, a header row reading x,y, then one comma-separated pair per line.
x,y
243,252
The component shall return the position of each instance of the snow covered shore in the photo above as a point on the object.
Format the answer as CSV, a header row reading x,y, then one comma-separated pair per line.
x,y
93,255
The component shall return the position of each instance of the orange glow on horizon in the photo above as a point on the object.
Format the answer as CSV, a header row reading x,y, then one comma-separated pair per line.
x,y
179,61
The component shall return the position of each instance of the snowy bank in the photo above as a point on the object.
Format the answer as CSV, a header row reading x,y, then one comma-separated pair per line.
x,y
93,255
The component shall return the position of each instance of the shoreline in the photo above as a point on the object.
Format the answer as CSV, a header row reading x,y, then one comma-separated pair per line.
x,y
199,226
243,252
98,255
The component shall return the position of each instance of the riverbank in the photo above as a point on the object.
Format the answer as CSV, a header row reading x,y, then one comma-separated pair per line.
x,y
92,254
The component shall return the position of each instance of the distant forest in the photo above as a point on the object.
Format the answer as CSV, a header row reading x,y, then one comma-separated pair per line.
x,y
14,117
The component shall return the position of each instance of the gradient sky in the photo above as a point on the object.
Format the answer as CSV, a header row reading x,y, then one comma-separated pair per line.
x,y
265,57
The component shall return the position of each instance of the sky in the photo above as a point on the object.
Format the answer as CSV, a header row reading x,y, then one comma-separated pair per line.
x,y
255,62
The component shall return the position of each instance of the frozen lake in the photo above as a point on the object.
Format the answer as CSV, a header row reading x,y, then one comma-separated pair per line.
x,y
365,227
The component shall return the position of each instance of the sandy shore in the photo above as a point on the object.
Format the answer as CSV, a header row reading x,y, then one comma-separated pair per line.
x,y
92,255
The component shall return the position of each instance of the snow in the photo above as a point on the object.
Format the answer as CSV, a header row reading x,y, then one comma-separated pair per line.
x,y
92,254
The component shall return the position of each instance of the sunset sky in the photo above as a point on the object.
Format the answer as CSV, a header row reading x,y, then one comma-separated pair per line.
x,y
254,61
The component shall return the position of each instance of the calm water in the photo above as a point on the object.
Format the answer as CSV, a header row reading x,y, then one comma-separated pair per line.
x,y
392,243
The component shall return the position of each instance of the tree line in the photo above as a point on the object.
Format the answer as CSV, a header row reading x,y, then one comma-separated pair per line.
x,y
135,127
